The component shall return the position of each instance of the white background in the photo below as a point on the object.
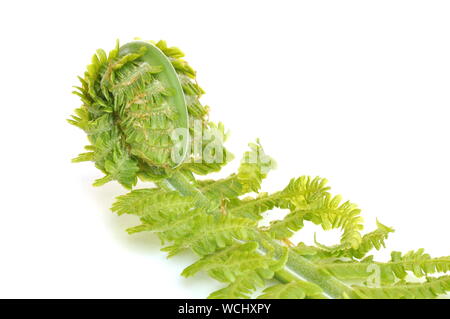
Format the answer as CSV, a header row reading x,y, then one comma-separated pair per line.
x,y
354,91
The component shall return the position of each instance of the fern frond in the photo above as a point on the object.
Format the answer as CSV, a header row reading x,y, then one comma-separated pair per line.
x,y
149,202
223,188
357,270
286,227
227,264
254,167
130,106
298,289
298,195
167,225
132,100
372,240
310,252
84,157
251,207
211,232
197,111
429,289
122,168
309,200
216,261
241,265
302,191
204,168
330,213
416,262
241,288
419,263
166,213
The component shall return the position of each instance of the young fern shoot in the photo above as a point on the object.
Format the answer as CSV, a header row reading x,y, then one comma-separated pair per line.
x,y
141,111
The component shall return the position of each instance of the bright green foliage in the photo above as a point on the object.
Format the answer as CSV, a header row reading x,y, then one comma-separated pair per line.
x,y
131,109
416,263
286,227
150,202
130,103
240,265
251,207
431,288
371,240
298,289
254,168
303,191
309,200
207,233
419,263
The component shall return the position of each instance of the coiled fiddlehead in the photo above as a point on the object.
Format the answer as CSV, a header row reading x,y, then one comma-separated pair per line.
x,y
140,111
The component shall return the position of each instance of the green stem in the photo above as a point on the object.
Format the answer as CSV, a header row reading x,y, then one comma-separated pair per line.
x,y
305,269
182,184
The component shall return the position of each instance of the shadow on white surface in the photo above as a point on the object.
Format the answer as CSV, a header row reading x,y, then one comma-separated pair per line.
x,y
147,244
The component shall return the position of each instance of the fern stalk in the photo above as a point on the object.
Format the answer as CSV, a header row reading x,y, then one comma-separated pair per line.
x,y
330,285
300,268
